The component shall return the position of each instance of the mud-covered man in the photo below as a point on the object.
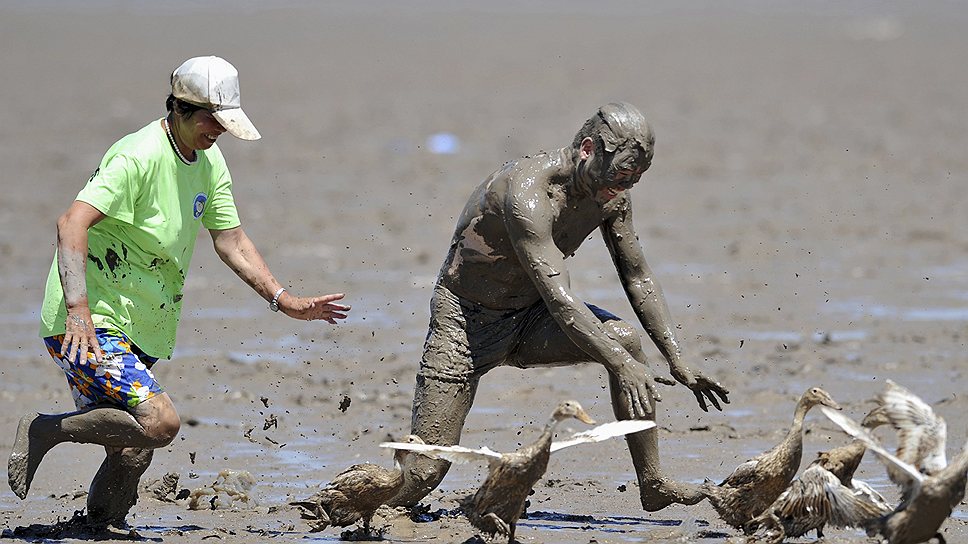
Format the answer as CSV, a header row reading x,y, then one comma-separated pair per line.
x,y
503,296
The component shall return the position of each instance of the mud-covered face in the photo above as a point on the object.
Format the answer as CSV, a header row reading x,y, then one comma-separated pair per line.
x,y
624,170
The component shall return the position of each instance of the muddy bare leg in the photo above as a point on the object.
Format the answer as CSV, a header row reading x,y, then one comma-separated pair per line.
x,y
114,489
549,346
153,424
26,455
439,411
38,433
656,491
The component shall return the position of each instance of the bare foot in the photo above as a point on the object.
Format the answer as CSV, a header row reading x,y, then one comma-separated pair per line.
x,y
658,494
25,457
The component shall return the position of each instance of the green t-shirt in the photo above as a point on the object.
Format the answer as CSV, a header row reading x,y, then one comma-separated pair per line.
x,y
139,254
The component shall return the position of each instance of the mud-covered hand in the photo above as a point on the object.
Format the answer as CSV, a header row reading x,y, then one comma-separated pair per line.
x,y
313,308
636,385
701,386
79,335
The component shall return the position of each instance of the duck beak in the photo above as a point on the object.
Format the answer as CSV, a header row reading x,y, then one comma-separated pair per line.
x,y
584,417
832,404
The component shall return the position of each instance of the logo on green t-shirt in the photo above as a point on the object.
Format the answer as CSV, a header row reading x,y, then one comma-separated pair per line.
x,y
199,208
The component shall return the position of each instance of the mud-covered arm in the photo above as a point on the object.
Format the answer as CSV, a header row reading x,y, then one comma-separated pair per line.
x,y
239,253
72,247
649,304
528,215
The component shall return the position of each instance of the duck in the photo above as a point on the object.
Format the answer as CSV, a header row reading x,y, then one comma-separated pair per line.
x,y
355,493
755,484
928,494
826,493
500,501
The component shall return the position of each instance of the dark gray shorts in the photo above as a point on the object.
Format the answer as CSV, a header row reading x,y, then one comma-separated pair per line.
x,y
465,339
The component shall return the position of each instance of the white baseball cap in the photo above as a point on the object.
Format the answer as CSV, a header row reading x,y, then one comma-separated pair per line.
x,y
213,83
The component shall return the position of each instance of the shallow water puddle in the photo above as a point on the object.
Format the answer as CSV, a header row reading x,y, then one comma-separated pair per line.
x,y
557,521
859,308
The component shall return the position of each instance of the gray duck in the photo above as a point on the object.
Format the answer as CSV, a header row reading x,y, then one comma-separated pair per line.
x,y
355,493
928,497
500,501
824,494
755,484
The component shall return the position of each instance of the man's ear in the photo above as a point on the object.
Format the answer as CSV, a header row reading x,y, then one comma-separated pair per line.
x,y
586,149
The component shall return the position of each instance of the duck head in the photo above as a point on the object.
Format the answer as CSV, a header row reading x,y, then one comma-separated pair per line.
x,y
399,456
571,408
816,396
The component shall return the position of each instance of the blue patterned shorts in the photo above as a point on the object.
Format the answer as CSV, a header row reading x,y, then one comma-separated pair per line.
x,y
122,378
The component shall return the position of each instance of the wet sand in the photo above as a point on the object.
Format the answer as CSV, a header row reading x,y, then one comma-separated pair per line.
x,y
804,215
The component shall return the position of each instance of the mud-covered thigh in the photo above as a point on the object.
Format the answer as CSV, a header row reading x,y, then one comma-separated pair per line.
x,y
543,343
465,340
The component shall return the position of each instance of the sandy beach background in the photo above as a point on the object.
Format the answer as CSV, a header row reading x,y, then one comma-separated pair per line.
x,y
805,214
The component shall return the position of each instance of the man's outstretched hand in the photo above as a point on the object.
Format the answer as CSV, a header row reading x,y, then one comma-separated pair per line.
x,y
701,386
323,308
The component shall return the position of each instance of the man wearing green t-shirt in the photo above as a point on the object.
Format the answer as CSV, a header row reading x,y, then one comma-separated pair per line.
x,y
114,292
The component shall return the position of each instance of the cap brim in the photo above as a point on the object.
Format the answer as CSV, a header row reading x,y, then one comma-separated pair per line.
x,y
237,123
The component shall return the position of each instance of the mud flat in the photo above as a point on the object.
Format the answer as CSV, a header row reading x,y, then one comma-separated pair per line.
x,y
804,214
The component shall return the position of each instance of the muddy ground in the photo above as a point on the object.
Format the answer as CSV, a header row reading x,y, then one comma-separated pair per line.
x,y
805,214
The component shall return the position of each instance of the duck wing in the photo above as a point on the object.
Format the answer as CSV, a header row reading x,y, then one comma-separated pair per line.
x,y
745,474
604,432
921,433
850,507
864,489
854,429
454,454
815,500
366,479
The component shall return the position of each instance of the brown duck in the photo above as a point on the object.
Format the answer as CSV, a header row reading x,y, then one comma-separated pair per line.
x,y
355,493
930,503
824,494
500,501
755,484
929,492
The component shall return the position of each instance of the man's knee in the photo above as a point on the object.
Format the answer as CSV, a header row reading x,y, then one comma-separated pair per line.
x,y
159,419
167,429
